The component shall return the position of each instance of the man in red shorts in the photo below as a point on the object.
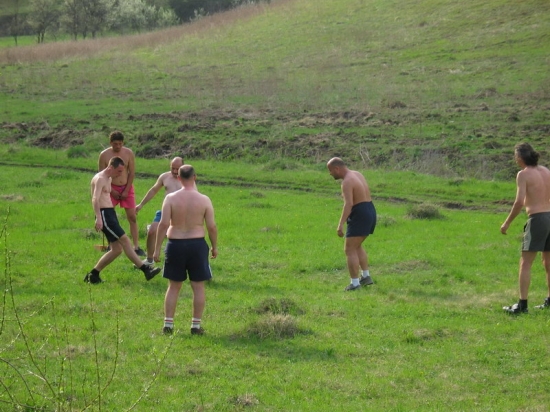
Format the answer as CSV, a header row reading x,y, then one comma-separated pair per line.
x,y
122,188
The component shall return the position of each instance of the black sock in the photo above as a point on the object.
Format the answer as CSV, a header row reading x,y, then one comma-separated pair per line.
x,y
523,303
94,272
144,267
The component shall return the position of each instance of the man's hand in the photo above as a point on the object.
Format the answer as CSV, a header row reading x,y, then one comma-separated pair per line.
x,y
504,228
340,232
138,208
156,256
214,252
98,225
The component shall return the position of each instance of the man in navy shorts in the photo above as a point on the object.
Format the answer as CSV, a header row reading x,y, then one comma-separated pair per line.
x,y
185,213
360,215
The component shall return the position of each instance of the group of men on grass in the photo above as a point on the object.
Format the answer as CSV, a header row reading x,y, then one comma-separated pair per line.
x,y
186,212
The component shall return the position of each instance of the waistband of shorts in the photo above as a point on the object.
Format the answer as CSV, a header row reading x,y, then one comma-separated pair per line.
x,y
119,186
362,203
540,214
195,239
106,208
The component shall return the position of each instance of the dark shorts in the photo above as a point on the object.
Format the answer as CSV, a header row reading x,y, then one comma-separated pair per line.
x,y
362,220
158,215
111,227
187,256
536,233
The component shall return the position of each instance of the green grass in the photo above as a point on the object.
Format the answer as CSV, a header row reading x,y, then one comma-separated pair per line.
x,y
429,335
429,86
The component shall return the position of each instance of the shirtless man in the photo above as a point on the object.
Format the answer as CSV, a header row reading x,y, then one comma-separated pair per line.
x,y
184,215
360,215
106,221
122,188
170,182
533,193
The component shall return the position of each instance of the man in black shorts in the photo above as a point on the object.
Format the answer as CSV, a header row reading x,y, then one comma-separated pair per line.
x,y
106,221
533,193
185,213
360,215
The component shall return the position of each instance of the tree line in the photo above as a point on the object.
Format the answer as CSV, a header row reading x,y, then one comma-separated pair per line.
x,y
83,19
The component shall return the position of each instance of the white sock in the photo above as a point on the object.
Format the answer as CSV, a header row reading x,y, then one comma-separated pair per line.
x,y
355,281
366,273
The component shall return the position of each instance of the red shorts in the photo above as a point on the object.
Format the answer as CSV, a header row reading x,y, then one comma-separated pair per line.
x,y
129,202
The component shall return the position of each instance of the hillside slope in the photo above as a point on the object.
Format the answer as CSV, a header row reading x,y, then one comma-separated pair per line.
x,y
435,86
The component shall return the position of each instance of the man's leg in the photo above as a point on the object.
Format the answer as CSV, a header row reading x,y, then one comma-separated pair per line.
x,y
151,239
134,230
355,255
171,298
525,264
114,251
546,263
199,302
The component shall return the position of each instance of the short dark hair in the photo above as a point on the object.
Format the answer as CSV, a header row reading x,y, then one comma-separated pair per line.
x,y
186,172
116,162
526,152
116,136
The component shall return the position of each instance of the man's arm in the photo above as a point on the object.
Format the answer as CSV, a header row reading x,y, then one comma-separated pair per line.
x,y
151,193
131,173
102,162
162,228
347,195
518,202
211,228
96,194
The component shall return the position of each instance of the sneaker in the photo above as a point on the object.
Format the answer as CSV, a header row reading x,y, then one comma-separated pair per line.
x,y
197,331
167,331
150,272
515,309
365,280
140,252
545,305
351,286
93,279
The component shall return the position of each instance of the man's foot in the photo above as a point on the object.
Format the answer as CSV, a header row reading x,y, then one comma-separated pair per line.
x,y
145,262
140,252
93,279
545,305
197,331
351,286
515,309
167,331
150,272
365,281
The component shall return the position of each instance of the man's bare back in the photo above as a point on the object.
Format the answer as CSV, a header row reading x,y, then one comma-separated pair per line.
x,y
355,184
188,211
537,189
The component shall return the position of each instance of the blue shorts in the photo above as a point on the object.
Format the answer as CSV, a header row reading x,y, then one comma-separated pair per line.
x,y
187,257
362,220
111,227
158,215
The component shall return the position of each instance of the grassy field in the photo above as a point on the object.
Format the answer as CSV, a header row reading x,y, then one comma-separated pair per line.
x,y
429,86
282,334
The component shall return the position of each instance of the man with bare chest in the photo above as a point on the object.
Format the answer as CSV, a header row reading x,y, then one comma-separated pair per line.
x,y
106,221
171,183
533,193
122,187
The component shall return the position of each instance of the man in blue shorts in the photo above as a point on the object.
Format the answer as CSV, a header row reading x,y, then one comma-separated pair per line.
x,y
106,221
170,182
185,213
533,193
360,215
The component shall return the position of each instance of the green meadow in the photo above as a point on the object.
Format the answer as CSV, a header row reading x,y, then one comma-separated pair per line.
x,y
426,98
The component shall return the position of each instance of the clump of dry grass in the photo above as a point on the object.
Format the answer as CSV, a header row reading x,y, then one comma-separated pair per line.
x,y
278,306
275,326
424,211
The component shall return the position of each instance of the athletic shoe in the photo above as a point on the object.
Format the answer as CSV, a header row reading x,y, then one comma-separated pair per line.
x,y
167,331
365,281
515,309
93,279
145,262
197,331
140,252
150,272
351,286
545,305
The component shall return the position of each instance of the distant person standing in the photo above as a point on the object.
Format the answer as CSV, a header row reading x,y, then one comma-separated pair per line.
x,y
533,193
106,221
122,187
185,213
360,215
170,181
